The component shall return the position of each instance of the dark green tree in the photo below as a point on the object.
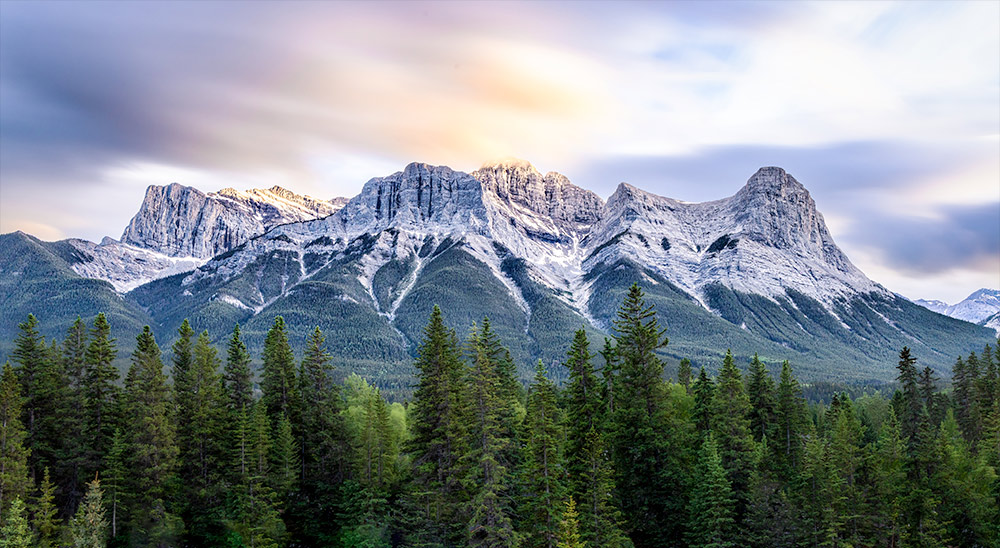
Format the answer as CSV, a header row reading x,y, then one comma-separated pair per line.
x,y
278,378
151,441
684,372
761,391
711,522
31,356
100,393
792,422
704,394
542,473
14,481
731,426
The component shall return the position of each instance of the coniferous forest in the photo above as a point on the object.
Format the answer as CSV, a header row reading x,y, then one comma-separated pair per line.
x,y
193,448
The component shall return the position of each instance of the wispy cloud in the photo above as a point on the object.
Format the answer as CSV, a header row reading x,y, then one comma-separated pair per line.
x,y
321,96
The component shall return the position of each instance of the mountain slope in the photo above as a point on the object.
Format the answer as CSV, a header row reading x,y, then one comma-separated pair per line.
x,y
758,272
36,278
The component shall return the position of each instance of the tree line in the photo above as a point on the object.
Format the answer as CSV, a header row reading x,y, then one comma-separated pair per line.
x,y
617,457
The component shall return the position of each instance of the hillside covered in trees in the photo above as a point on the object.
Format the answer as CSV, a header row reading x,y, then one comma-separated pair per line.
x,y
197,449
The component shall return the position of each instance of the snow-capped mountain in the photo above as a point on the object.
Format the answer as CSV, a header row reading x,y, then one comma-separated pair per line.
x,y
181,221
976,308
178,228
755,272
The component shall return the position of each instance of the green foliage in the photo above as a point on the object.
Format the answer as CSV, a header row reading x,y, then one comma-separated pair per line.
x,y
711,512
89,527
569,527
15,532
44,521
278,376
14,481
542,470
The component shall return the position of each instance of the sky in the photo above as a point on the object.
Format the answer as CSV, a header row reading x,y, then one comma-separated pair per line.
x,y
888,113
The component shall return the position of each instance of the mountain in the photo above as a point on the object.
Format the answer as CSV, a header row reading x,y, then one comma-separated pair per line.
x,y
755,272
37,278
178,228
975,308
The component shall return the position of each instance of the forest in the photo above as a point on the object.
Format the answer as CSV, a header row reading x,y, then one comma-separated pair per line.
x,y
203,447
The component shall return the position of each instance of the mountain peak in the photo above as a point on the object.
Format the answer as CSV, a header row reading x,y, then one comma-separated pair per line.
x,y
772,178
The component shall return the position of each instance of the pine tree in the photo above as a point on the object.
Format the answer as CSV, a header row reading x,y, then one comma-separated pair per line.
x,y
791,424
684,373
257,521
74,437
964,380
116,473
239,380
100,392
489,477
889,481
30,354
14,481
846,461
569,528
321,431
151,454
600,519
438,419
584,409
912,404
183,355
650,492
278,378
44,521
201,415
704,394
284,459
610,373
760,390
711,509
53,419
89,527
15,532
542,470
731,426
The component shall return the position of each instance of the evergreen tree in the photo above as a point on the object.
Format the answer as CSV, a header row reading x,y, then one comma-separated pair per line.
x,y
760,390
53,419
889,481
600,520
151,442
704,394
257,521
542,472
15,532
116,473
684,373
239,380
791,424
964,381
73,436
846,459
89,527
278,378
911,402
201,431
649,489
569,528
818,494
438,426
711,511
14,481
44,521
609,374
731,426
488,480
31,355
284,459
183,353
584,409
321,436
100,393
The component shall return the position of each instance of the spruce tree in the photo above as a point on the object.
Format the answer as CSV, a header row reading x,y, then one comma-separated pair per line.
x,y
791,424
760,390
278,378
89,526
600,519
711,522
684,373
731,426
569,527
183,353
889,481
151,441
584,409
321,429
912,404
44,521
284,460
542,472
30,354
100,392
201,432
53,418
239,380
69,476
15,532
489,477
650,491
438,425
704,394
14,481
116,471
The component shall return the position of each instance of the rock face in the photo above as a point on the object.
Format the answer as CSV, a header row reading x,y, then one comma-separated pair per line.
x,y
180,221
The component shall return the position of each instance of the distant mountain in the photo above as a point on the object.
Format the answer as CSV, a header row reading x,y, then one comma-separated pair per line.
x,y
755,272
976,308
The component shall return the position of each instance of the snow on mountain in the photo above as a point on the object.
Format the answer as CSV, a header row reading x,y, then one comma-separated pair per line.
x,y
766,238
126,266
181,221
978,307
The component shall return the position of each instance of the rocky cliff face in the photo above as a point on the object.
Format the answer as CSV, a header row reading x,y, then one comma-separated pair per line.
x,y
180,221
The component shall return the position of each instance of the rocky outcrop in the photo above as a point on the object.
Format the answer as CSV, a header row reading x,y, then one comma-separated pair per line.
x,y
180,221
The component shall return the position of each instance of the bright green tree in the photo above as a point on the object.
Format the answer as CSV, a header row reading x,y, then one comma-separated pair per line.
x,y
44,521
15,532
569,527
89,527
